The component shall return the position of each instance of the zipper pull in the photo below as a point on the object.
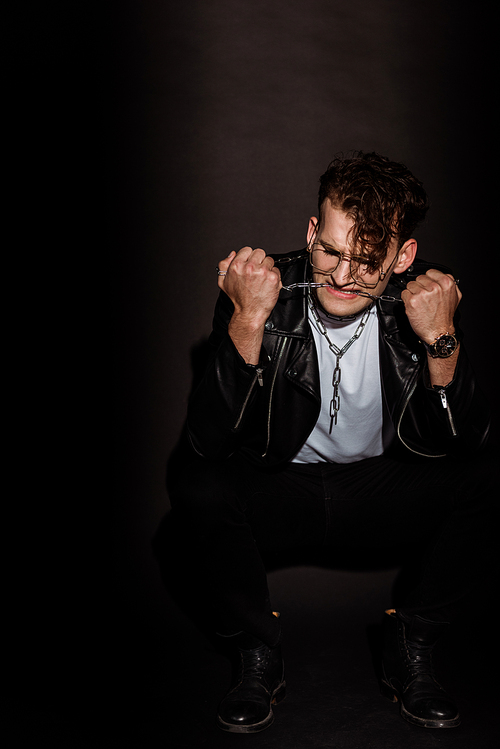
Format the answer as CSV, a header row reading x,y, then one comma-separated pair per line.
x,y
444,399
445,404
260,379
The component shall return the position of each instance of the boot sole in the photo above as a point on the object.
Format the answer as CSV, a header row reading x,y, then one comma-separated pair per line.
x,y
391,694
279,695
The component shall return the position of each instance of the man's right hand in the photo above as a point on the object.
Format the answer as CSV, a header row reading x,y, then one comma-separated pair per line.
x,y
253,283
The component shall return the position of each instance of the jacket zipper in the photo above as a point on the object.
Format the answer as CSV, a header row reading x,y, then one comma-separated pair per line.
x,y
271,396
424,455
446,406
258,378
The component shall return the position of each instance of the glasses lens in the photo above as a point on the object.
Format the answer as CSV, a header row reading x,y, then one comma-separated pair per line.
x,y
327,261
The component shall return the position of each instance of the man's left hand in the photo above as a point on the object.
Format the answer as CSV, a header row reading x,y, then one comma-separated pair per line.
x,y
430,303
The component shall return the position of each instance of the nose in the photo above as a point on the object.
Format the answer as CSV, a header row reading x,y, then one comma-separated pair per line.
x,y
342,273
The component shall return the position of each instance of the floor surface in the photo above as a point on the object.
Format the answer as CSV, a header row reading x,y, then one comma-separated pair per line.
x,y
153,681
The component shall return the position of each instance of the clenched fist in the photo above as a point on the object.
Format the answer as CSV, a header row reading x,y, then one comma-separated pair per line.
x,y
252,282
430,303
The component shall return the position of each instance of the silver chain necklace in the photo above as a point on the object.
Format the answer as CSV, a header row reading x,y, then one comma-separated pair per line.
x,y
339,353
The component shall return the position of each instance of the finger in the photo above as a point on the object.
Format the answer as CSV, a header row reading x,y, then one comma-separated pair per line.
x,y
278,273
241,256
247,262
432,281
245,256
253,262
258,257
446,280
450,286
425,281
438,275
223,267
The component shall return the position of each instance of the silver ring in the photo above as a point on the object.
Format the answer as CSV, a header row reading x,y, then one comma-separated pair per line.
x,y
221,272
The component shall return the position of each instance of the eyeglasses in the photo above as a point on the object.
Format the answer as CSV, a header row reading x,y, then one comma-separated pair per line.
x,y
326,259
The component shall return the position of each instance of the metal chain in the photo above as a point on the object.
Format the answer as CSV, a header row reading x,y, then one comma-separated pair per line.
x,y
358,292
339,353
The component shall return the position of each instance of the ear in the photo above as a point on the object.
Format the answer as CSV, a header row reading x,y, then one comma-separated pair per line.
x,y
406,256
312,229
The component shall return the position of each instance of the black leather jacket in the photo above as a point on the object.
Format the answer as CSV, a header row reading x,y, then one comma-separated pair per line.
x,y
268,411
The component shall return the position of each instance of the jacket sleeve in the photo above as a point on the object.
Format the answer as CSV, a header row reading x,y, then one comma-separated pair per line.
x,y
457,415
222,401
464,408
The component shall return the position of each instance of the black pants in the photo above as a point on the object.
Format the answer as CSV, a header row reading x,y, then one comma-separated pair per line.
x,y
228,517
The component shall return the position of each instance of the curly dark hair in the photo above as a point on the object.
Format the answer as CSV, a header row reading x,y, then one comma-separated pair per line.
x,y
383,197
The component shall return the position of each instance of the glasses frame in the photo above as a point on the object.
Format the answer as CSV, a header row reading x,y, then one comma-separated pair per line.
x,y
343,256
347,256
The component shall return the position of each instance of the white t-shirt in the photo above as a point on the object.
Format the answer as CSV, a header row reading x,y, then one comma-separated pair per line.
x,y
358,432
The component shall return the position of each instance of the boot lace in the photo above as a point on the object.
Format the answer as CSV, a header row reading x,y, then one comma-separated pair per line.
x,y
420,658
254,662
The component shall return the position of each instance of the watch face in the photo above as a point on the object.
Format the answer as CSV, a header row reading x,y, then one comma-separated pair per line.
x,y
445,346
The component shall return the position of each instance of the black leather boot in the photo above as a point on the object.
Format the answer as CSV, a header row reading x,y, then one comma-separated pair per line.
x,y
407,672
259,683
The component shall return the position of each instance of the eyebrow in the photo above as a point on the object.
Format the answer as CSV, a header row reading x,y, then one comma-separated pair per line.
x,y
328,246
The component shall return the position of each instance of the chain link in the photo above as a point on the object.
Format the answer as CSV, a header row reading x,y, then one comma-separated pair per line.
x,y
338,353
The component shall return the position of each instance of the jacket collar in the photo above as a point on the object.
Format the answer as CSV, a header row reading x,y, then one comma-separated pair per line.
x,y
290,316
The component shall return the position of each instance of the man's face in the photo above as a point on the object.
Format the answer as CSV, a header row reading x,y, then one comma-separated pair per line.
x,y
333,232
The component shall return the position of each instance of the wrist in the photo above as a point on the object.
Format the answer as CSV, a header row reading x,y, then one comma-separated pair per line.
x,y
251,322
246,334
442,371
443,345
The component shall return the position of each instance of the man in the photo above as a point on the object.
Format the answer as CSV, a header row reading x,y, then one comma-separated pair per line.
x,y
338,408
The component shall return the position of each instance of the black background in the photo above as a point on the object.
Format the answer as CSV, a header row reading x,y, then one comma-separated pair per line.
x,y
224,116
151,139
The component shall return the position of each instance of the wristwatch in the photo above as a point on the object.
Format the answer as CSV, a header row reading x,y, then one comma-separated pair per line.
x,y
444,346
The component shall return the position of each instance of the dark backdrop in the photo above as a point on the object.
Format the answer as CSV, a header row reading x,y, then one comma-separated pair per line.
x,y
225,113
159,136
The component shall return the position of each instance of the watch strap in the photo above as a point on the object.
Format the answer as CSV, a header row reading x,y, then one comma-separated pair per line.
x,y
443,346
